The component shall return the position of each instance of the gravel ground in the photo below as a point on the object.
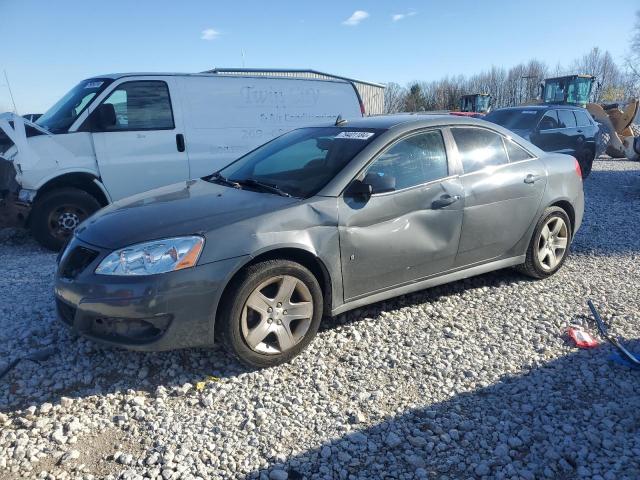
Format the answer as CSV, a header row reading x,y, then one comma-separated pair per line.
x,y
467,380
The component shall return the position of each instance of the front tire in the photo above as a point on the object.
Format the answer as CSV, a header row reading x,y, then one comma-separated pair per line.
x,y
549,244
57,214
271,313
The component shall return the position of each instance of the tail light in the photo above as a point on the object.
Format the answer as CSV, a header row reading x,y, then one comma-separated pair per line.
x,y
362,111
578,169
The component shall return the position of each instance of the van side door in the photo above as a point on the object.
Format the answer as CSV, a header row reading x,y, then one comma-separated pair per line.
x,y
138,136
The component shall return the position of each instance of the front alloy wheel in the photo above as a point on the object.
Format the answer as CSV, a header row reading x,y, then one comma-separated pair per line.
x,y
277,315
270,313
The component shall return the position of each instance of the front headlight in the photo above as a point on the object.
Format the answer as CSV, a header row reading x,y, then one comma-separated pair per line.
x,y
150,258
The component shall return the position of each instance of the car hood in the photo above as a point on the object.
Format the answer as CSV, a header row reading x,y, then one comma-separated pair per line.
x,y
185,208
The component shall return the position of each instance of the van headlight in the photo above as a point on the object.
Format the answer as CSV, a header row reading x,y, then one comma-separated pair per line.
x,y
150,258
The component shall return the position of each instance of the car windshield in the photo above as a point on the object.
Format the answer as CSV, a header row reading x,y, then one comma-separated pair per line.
x,y
61,116
514,119
298,163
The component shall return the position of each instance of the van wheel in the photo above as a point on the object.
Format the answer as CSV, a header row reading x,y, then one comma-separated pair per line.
x,y
57,214
271,314
549,245
585,159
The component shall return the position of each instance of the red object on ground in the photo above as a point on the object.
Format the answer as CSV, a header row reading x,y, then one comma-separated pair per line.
x,y
581,338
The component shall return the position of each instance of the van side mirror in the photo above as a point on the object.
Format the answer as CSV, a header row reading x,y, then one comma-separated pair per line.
x,y
104,117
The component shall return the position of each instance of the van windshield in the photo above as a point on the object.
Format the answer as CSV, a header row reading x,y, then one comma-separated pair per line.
x,y
514,119
61,116
298,163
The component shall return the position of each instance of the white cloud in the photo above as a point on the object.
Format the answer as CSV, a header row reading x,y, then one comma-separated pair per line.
x,y
356,18
396,17
209,34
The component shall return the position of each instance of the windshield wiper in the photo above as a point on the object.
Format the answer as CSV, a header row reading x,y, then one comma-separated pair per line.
x,y
252,182
222,179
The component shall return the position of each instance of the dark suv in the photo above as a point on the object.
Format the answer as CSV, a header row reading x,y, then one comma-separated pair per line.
x,y
553,128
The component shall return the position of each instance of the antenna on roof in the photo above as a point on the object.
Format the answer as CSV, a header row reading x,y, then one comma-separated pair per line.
x,y
340,121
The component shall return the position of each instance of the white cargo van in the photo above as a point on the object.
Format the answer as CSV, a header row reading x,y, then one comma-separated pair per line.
x,y
116,135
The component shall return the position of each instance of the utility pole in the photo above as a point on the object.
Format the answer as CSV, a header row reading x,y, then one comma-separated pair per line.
x,y
15,110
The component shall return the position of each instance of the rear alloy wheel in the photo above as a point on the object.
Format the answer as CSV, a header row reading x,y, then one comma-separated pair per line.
x,y
585,160
272,314
549,245
57,214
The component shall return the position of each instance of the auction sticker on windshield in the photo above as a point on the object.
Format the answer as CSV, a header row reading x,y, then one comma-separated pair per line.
x,y
93,85
355,135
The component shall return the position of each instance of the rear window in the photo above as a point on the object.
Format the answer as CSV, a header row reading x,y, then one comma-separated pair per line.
x,y
479,148
517,119
566,118
515,151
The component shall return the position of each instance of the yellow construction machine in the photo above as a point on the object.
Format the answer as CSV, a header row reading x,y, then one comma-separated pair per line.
x,y
619,136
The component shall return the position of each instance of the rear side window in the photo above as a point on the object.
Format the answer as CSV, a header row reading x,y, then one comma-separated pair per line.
x,y
141,105
582,118
479,148
567,120
549,121
413,161
516,152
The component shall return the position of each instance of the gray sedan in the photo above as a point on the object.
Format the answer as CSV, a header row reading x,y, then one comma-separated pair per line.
x,y
317,222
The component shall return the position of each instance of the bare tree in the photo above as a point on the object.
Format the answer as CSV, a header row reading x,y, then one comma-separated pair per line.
x,y
394,98
608,76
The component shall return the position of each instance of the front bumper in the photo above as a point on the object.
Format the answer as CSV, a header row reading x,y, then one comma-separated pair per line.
x,y
155,312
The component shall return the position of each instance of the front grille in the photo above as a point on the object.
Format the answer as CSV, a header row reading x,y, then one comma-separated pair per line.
x,y
66,312
76,261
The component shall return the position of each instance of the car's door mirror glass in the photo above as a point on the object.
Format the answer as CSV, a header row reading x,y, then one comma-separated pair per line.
x,y
380,183
359,190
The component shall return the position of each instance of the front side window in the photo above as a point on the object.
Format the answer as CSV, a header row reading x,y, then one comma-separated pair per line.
x,y
549,121
479,148
140,105
566,119
301,162
61,116
413,161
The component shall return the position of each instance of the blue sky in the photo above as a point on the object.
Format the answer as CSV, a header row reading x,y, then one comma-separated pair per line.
x,y
48,46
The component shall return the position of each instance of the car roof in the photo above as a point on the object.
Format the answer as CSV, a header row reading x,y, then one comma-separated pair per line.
x,y
541,107
421,119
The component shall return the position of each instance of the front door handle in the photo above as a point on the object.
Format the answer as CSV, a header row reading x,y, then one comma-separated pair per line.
x,y
180,142
444,201
531,178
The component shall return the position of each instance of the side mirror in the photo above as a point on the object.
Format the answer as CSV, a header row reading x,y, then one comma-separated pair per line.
x,y
104,117
380,183
359,190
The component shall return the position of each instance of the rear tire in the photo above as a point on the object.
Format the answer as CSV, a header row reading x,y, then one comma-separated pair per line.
x,y
548,249
585,158
271,313
58,212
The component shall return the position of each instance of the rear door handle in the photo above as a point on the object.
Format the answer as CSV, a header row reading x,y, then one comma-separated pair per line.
x,y
180,142
531,178
444,201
